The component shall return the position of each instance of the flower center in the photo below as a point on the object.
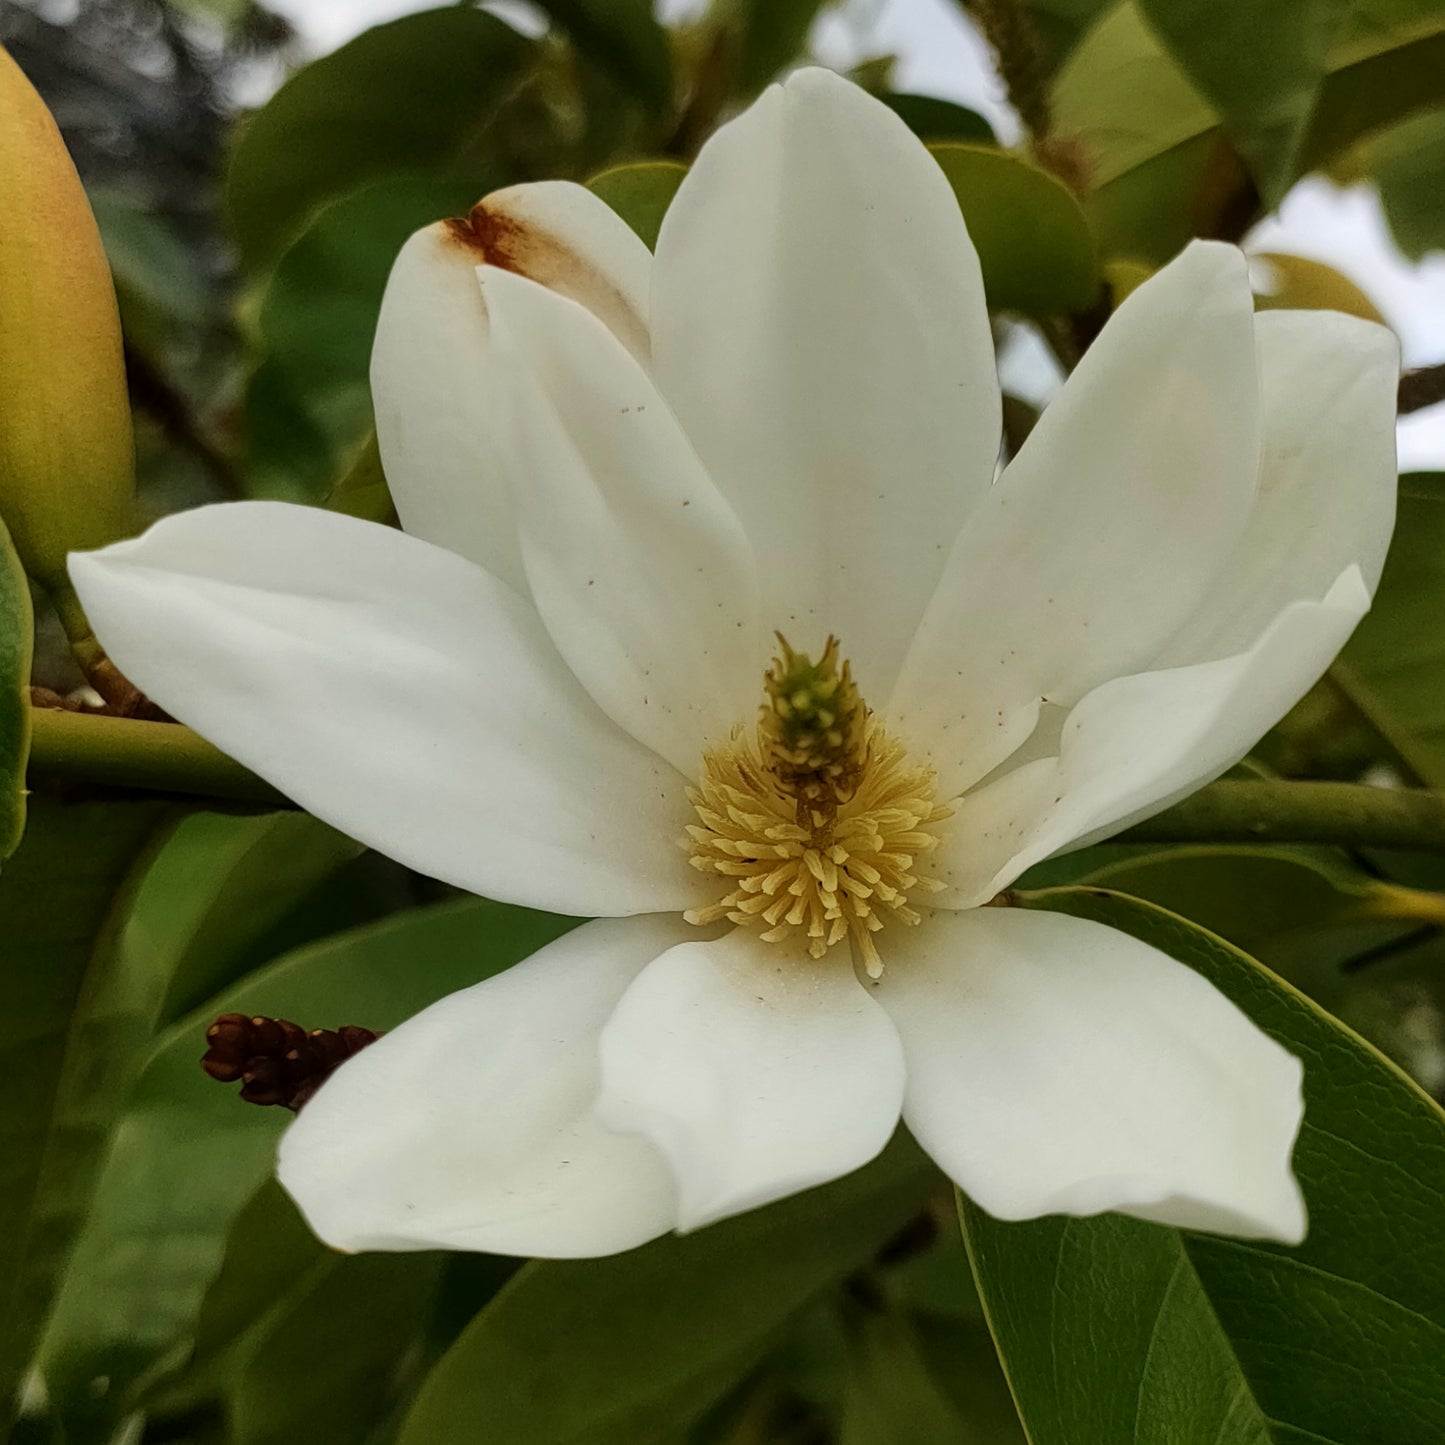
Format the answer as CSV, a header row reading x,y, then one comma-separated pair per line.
x,y
817,819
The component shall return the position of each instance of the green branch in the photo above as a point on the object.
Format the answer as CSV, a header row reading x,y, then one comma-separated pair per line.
x,y
125,753
1301,812
167,758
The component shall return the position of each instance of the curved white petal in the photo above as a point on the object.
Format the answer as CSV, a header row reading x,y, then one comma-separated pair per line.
x,y
819,327
1327,479
1137,744
755,1070
1105,532
430,372
639,568
1056,1066
399,693
472,1127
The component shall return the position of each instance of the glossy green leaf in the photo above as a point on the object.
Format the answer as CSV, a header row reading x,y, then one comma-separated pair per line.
x,y
931,119
1145,138
767,36
1306,913
1174,1339
620,1350
1406,163
621,36
17,638
361,490
1030,233
640,193
63,1032
1296,283
188,1154
309,402
337,1353
212,900
1394,665
406,97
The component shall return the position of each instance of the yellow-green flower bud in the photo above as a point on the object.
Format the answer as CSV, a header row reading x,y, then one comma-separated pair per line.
x,y
66,462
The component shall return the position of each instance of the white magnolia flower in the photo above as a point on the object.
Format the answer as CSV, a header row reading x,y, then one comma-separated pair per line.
x,y
619,475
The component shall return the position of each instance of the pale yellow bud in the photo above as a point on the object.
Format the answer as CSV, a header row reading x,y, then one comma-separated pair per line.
x,y
66,463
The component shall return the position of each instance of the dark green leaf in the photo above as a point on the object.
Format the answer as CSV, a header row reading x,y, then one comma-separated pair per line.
x,y
338,1352
1144,136
640,193
1394,665
361,491
931,119
622,37
769,34
1030,233
592,1352
63,1031
17,638
1406,163
189,1154
406,97
1174,1339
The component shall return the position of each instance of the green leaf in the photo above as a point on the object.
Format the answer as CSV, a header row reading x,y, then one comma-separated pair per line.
x,y
188,1154
640,193
338,1353
1406,163
315,327
1030,233
1336,1342
623,37
1304,913
1297,283
216,893
405,97
768,35
1394,665
620,1350
17,639
362,491
1145,136
931,119
61,1032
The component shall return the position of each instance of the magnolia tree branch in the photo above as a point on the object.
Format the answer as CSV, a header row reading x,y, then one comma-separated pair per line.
x,y
167,758
1421,388
1301,812
120,752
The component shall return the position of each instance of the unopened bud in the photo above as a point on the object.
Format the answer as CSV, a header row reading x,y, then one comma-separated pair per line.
x,y
66,463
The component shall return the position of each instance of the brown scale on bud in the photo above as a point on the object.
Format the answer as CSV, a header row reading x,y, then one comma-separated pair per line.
x,y
813,729
276,1061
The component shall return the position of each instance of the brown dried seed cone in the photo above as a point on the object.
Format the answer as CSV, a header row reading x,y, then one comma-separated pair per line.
x,y
276,1061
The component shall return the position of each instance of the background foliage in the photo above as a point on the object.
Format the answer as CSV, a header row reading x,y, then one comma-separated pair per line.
x,y
155,1286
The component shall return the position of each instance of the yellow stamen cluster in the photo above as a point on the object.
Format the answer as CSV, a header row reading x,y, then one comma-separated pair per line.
x,y
817,819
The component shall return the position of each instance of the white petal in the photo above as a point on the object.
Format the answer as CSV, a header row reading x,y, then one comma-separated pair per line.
x,y
639,568
1056,1066
400,694
819,328
430,372
472,1127
1105,532
754,1069
1327,479
1137,744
